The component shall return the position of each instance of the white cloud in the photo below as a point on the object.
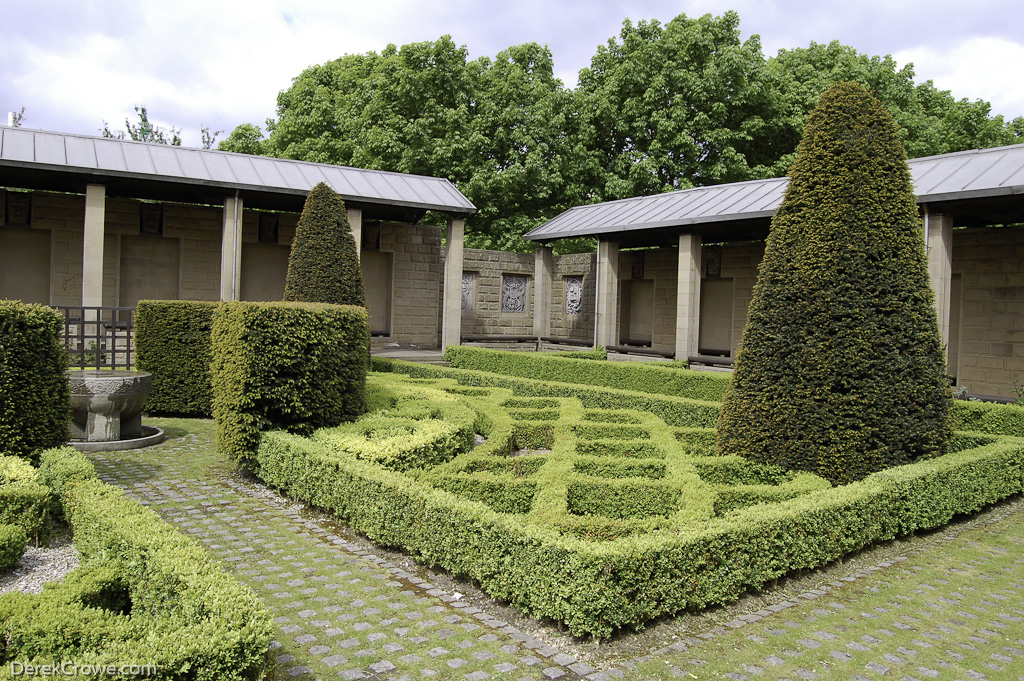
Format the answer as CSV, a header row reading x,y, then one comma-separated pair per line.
x,y
975,68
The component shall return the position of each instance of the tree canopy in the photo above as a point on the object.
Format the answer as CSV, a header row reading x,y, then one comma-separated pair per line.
x,y
660,108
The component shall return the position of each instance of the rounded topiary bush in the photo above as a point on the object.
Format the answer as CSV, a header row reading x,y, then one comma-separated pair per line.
x,y
35,401
841,370
323,266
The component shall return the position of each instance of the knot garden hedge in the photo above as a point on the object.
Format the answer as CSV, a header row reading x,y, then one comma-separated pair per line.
x,y
604,507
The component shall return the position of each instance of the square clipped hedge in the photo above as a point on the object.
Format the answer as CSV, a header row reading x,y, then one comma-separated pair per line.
x,y
173,342
290,366
35,401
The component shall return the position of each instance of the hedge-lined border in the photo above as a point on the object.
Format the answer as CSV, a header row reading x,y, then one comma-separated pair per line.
x,y
189,617
644,377
598,587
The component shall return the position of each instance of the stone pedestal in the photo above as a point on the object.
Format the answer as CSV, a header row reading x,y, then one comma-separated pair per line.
x,y
107,405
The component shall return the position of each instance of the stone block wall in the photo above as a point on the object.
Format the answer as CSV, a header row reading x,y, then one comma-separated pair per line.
x,y
739,263
575,326
417,275
988,268
482,312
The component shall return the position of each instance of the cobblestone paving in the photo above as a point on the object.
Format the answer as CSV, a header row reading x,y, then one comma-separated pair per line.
x,y
344,612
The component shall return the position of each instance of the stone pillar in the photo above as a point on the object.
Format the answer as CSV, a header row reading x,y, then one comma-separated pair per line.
x,y
231,249
451,316
607,332
92,246
688,296
938,231
543,272
355,221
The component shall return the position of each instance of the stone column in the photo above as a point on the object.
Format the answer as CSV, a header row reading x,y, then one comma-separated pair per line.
x,y
688,296
231,249
938,230
92,245
543,272
451,316
355,221
607,294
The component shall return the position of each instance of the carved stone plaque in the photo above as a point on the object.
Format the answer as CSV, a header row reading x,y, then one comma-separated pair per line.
x,y
513,293
467,290
573,295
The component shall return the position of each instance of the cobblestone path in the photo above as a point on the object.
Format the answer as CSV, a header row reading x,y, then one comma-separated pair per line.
x,y
342,611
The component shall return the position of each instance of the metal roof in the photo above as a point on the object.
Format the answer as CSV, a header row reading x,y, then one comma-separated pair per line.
x,y
984,174
99,158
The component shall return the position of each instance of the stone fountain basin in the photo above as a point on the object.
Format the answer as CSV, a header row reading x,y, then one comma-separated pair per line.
x,y
106,406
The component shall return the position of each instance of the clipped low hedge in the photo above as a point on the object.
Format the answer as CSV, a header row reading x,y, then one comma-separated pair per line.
x,y
675,411
173,342
623,561
23,500
13,542
145,594
644,377
296,366
599,587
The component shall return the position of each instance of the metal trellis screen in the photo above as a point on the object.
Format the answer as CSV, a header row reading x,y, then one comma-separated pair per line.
x,y
99,337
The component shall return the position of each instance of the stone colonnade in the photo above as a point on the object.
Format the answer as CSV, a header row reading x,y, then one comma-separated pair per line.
x,y
938,238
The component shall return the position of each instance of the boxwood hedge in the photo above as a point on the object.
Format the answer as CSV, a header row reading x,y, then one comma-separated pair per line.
x,y
296,366
144,595
646,377
568,533
173,342
35,401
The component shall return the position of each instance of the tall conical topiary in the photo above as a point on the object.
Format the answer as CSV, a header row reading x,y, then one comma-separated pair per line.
x,y
323,266
841,369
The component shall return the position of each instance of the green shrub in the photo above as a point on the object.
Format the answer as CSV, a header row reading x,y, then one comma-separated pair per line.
x,y
841,369
296,366
64,466
146,594
646,377
597,354
988,417
654,539
173,342
676,411
35,401
23,500
602,468
323,266
622,499
13,542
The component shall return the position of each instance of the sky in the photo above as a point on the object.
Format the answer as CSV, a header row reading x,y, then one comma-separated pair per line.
x,y
75,64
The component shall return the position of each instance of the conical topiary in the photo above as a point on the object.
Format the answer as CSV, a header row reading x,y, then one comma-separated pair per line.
x,y
323,266
841,370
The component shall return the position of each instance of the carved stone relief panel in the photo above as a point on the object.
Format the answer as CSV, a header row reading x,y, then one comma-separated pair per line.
x,y
574,295
513,293
468,280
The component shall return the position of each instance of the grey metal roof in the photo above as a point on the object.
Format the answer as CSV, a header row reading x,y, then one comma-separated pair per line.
x,y
103,157
965,175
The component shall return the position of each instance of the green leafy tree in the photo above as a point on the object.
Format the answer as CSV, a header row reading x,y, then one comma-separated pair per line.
x,y
245,139
526,169
674,106
841,369
929,121
323,266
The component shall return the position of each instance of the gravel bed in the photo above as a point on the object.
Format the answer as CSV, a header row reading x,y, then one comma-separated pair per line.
x,y
41,565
